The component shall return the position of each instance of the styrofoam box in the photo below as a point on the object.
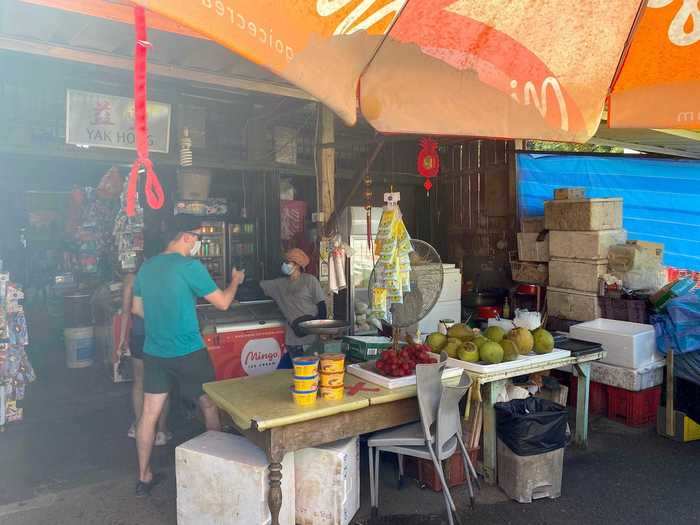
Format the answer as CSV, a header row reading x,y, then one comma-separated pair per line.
x,y
576,274
628,378
441,310
584,245
327,483
572,304
451,284
631,345
223,480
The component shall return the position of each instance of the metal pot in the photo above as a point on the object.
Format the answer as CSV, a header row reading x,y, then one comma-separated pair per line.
x,y
484,297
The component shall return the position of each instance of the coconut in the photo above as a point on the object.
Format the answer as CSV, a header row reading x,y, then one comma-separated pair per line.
x,y
523,339
495,333
469,352
491,353
544,342
510,350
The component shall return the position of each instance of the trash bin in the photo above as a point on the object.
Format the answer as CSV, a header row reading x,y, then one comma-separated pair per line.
x,y
532,434
531,426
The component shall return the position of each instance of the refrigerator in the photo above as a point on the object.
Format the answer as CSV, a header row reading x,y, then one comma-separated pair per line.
x,y
352,227
213,251
244,248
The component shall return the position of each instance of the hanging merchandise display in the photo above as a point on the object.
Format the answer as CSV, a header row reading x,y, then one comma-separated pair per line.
x,y
93,233
128,234
428,162
15,369
392,247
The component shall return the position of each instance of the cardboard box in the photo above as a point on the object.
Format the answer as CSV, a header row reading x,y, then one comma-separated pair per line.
x,y
569,193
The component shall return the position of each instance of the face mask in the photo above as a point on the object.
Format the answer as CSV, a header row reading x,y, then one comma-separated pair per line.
x,y
195,249
287,268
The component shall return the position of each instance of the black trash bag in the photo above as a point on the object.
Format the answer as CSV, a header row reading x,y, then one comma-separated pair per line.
x,y
531,426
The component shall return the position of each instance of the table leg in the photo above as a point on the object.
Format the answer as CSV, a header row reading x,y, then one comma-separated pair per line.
x,y
274,499
582,399
494,389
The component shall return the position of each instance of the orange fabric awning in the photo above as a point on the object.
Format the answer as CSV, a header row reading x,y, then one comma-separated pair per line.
x,y
659,84
499,68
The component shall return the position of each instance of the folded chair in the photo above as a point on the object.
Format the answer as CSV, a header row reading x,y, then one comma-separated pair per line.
x,y
442,435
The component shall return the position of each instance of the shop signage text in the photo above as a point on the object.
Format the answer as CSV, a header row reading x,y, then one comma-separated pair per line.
x,y
107,121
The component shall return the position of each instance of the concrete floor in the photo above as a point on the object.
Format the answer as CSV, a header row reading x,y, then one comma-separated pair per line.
x,y
71,463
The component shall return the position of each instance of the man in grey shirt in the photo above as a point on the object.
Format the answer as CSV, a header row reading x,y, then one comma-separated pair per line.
x,y
298,295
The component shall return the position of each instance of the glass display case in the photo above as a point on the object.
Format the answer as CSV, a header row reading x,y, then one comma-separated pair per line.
x,y
213,251
244,248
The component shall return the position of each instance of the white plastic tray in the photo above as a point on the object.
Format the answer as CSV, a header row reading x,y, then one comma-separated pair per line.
x,y
367,371
524,360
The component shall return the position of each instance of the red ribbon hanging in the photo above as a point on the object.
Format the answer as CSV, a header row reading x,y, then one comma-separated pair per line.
x,y
153,189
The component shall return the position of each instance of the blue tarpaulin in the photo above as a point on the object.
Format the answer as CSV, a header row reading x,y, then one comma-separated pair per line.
x,y
678,327
661,197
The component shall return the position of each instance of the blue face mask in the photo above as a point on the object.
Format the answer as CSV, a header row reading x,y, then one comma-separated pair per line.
x,y
287,268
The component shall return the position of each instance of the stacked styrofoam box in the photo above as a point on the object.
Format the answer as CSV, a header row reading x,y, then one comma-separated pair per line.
x,y
581,232
632,361
327,481
223,480
531,267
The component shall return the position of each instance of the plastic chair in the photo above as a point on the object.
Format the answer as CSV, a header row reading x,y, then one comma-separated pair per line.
x,y
442,428
429,390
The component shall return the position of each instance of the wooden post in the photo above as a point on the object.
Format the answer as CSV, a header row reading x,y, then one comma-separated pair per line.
x,y
326,164
490,440
582,401
326,184
670,393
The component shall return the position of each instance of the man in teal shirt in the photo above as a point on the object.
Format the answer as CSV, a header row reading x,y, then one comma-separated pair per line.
x,y
165,295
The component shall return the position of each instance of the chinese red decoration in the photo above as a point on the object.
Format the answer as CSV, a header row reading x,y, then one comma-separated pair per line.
x,y
153,189
428,161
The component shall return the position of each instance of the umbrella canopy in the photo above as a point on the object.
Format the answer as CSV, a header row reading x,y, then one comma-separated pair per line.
x,y
497,68
659,84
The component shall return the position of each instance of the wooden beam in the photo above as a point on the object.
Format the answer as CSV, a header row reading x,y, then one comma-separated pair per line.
x,y
8,43
326,163
646,148
117,12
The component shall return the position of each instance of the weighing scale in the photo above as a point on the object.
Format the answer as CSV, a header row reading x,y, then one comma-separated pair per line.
x,y
329,332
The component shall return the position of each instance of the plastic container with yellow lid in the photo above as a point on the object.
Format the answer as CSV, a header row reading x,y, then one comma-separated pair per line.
x,y
332,363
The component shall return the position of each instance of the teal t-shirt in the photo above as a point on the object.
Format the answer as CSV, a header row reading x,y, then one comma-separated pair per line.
x,y
169,285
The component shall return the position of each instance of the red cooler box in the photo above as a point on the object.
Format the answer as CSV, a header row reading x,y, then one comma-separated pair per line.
x,y
246,349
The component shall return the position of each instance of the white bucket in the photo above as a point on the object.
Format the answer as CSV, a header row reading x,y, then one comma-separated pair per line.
x,y
80,346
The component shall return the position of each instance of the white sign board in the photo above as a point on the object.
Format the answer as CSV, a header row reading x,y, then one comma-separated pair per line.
x,y
107,121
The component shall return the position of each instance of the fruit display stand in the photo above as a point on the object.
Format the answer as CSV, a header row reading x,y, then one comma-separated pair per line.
x,y
262,410
482,367
368,371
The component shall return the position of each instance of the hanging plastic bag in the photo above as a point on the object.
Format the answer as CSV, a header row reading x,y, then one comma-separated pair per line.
x,y
531,426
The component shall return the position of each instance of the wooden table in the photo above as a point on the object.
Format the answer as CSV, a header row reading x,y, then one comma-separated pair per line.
x,y
262,409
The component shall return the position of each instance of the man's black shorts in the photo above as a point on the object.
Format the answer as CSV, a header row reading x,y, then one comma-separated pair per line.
x,y
190,372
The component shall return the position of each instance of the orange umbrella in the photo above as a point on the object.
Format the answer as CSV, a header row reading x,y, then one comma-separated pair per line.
x,y
659,85
498,68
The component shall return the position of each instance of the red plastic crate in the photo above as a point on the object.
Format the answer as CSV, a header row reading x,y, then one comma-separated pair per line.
x,y
634,408
597,396
424,471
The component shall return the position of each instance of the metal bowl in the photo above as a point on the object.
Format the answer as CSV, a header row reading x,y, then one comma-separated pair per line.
x,y
324,327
